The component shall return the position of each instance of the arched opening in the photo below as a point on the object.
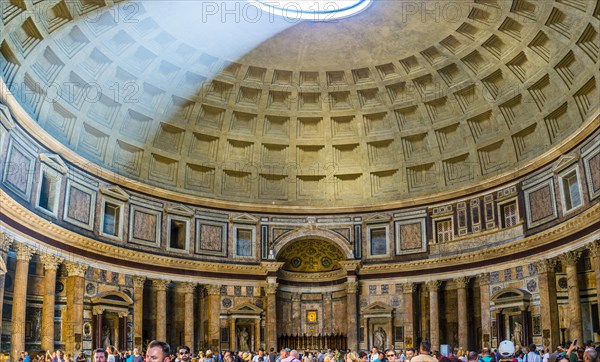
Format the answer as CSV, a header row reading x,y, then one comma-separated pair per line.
x,y
311,256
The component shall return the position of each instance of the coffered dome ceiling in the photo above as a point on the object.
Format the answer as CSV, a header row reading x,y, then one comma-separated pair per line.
x,y
404,100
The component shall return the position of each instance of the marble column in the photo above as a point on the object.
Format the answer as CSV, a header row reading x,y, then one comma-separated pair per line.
x,y
232,335
214,314
434,314
595,259
296,314
570,260
410,335
486,318
188,290
463,322
138,310
271,327
51,264
351,314
5,241
160,289
17,336
74,318
548,303
257,334
327,319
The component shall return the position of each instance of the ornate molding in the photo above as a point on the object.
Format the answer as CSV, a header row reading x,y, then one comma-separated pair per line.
x,y
484,278
50,261
76,269
462,282
24,251
5,241
139,281
350,266
433,285
409,287
327,297
160,284
296,297
351,287
546,265
594,248
271,266
571,258
271,288
187,287
213,289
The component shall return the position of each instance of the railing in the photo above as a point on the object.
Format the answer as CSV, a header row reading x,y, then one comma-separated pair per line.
x,y
318,342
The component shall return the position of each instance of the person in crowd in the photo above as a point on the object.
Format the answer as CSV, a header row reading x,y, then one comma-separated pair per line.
x,y
136,356
424,353
374,354
158,351
462,354
590,355
472,356
410,353
351,357
100,355
111,353
486,356
272,355
183,354
506,349
259,357
58,356
390,355
208,357
363,356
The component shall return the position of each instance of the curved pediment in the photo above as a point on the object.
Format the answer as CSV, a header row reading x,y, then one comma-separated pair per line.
x,y
113,297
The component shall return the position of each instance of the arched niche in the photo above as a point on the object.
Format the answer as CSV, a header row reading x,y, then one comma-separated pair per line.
x,y
512,310
314,234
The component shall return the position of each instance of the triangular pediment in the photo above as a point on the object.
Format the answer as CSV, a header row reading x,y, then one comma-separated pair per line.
x,y
116,192
245,219
55,162
6,118
378,308
180,210
378,218
564,162
245,308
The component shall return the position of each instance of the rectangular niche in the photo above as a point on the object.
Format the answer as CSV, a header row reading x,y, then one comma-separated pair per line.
x,y
48,190
144,225
178,233
244,241
111,218
80,205
377,243
211,237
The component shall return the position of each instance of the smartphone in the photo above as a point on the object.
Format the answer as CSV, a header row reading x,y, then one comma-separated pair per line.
x,y
575,342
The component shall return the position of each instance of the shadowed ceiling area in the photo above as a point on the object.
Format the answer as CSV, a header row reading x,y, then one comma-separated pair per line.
x,y
403,100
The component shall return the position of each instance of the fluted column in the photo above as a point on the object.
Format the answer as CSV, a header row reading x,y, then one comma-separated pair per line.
x,y
138,310
17,337
327,320
434,314
484,296
595,256
257,334
351,313
214,312
463,329
5,241
271,291
296,314
160,288
575,326
188,327
75,292
410,337
232,335
548,302
51,264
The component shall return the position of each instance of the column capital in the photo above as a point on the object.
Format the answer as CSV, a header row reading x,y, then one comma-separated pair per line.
x,y
138,281
594,248
160,284
327,296
213,289
76,269
409,287
462,282
50,261
571,257
187,287
5,241
433,285
545,265
296,297
271,266
24,251
351,287
271,288
484,278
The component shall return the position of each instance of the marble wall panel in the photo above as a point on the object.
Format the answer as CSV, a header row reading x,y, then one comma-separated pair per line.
x,y
79,205
211,237
18,170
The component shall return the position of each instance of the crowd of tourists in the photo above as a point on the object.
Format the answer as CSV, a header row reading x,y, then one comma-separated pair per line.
x,y
161,352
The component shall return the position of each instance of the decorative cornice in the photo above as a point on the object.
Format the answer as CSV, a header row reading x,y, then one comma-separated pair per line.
x,y
5,241
484,278
139,281
213,289
160,284
570,258
76,269
594,248
24,252
351,287
546,265
271,288
187,287
433,285
462,282
350,266
409,287
51,261
271,266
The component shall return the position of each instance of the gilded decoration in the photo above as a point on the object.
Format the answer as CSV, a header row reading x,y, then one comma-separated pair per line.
x,y
311,256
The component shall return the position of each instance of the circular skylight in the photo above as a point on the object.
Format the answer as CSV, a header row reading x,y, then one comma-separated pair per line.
x,y
316,10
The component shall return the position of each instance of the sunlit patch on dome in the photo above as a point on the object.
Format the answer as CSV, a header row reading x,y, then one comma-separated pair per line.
x,y
316,10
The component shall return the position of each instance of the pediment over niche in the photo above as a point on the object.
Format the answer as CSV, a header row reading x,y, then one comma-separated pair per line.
x,y
55,162
245,308
245,219
116,192
564,162
378,309
180,210
377,218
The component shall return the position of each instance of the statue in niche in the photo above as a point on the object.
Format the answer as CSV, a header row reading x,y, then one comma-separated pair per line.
x,y
243,340
517,333
379,338
106,334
